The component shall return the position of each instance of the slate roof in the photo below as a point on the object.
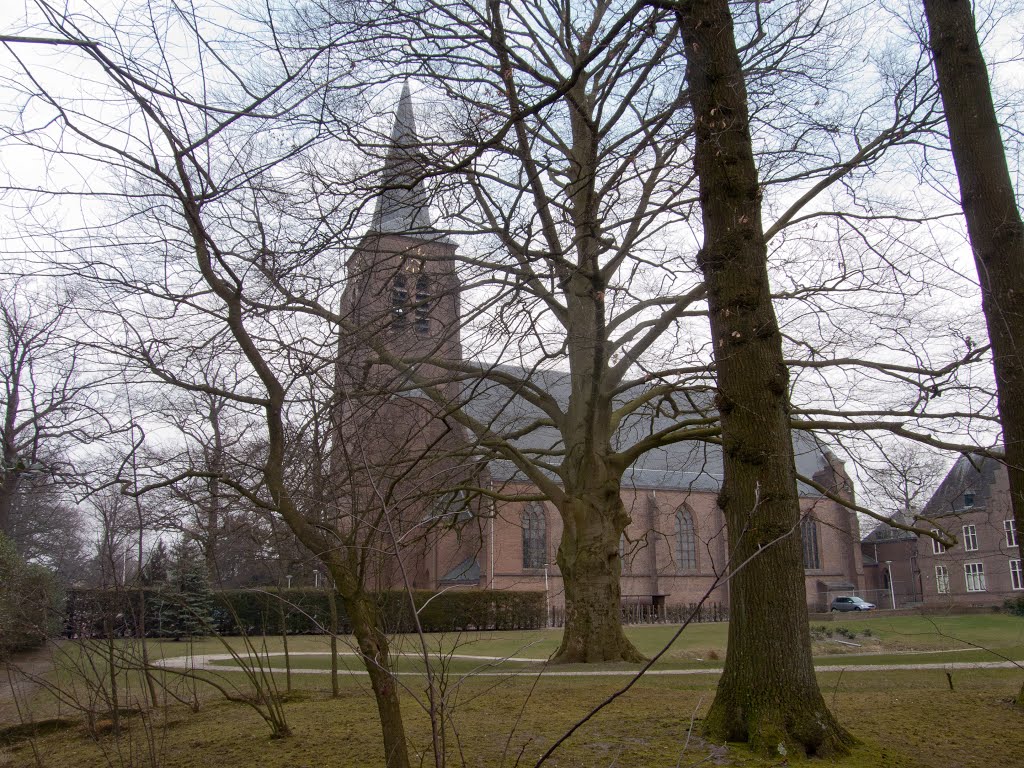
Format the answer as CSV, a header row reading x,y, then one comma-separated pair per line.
x,y
689,465
466,572
975,474
885,532
403,206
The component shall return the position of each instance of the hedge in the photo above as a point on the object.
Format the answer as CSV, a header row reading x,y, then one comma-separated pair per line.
x,y
95,612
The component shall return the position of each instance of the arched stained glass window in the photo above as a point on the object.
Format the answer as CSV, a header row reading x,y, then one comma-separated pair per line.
x,y
399,300
535,536
809,536
422,305
686,541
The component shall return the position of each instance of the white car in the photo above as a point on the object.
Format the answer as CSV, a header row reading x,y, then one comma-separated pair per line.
x,y
851,604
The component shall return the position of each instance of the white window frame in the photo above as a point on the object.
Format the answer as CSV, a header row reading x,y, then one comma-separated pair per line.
x,y
942,579
937,546
1010,530
1016,575
970,538
974,576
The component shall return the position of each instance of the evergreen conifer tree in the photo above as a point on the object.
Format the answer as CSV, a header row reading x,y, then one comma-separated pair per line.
x,y
189,610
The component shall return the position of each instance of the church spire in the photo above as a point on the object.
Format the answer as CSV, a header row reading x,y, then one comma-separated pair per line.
x,y
403,206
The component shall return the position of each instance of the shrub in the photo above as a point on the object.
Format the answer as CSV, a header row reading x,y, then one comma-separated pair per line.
x,y
29,602
1014,606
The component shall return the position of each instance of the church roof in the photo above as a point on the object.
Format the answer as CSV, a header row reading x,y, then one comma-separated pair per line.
x,y
403,206
689,465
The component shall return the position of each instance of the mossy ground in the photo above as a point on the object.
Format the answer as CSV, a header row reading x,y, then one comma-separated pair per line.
x,y
904,719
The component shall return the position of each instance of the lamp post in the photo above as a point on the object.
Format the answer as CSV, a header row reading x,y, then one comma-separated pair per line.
x,y
547,598
892,585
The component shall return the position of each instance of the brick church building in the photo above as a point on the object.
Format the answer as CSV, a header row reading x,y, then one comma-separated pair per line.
x,y
401,371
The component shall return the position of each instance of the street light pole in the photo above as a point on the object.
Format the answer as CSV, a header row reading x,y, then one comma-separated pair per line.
x,y
547,599
892,585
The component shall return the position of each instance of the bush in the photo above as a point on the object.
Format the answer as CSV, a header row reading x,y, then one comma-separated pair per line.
x,y
1014,606
29,602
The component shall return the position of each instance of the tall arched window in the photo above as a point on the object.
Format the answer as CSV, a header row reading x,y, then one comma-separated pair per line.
x,y
686,541
535,536
399,300
809,535
422,305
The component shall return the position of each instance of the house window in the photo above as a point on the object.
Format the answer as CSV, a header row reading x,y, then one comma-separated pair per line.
x,y
686,541
399,300
1016,575
422,305
941,579
1010,529
968,499
974,575
937,546
535,536
970,538
809,535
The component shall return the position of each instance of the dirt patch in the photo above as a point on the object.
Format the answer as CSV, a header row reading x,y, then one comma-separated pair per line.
x,y
18,676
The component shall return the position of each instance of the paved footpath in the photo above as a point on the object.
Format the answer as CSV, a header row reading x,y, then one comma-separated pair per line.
x,y
215,661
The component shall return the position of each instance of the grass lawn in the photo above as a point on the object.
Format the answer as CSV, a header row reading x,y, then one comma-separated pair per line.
x,y
903,718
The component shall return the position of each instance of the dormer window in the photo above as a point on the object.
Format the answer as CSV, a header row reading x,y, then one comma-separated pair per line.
x,y
968,499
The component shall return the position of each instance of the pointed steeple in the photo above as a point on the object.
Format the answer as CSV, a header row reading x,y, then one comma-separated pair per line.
x,y
403,206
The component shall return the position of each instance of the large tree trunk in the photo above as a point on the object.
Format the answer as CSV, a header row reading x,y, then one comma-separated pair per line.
x,y
993,219
768,694
588,558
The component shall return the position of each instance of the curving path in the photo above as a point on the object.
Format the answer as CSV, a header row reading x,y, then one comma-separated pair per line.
x,y
210,662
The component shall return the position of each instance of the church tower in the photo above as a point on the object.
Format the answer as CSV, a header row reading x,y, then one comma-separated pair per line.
x,y
402,293
395,453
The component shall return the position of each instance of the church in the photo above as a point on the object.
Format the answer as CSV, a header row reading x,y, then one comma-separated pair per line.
x,y
462,516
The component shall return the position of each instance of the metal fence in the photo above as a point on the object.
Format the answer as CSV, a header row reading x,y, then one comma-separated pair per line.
x,y
646,613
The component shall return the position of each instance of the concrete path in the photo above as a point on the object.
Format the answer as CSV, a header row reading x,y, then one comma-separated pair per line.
x,y
211,662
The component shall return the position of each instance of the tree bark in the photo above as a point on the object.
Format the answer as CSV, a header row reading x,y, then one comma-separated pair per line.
x,y
588,558
373,647
768,695
993,219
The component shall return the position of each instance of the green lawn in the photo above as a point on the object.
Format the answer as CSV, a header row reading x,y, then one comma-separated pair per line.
x,y
908,719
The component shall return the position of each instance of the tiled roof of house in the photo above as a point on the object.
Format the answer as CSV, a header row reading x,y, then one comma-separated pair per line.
x,y
971,479
885,532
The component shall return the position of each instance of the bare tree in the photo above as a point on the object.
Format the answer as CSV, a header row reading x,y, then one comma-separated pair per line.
x,y
201,180
768,694
49,404
903,478
993,216
562,154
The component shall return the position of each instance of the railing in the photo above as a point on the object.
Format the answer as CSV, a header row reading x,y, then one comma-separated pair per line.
x,y
646,613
